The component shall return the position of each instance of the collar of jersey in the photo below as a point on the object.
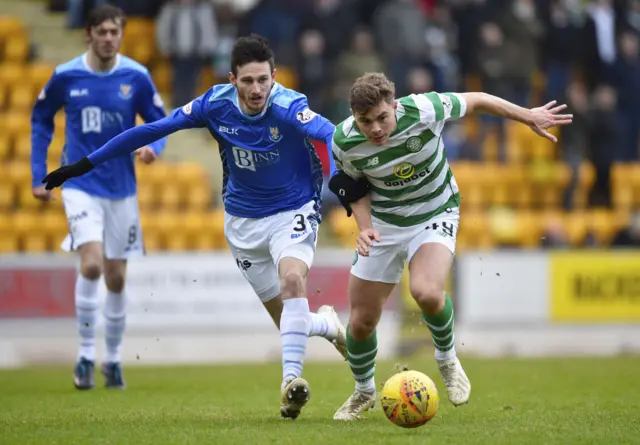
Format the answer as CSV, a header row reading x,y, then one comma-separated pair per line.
x,y
101,73
276,87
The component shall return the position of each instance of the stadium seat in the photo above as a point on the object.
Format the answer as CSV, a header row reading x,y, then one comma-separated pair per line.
x,y
198,198
602,224
26,200
22,148
170,197
7,198
16,49
5,147
16,123
54,154
586,178
3,96
19,173
287,77
11,73
162,76
11,26
8,238
576,227
60,123
39,74
214,226
146,196
26,226
344,228
21,98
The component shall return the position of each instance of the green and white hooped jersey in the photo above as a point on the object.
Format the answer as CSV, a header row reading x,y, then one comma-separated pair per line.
x,y
410,178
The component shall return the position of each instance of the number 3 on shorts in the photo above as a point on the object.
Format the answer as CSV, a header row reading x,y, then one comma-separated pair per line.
x,y
299,223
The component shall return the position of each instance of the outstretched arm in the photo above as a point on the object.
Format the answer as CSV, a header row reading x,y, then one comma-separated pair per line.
x,y
189,116
540,119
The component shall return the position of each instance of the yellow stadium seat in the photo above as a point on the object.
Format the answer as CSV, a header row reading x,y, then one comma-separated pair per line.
x,y
55,205
586,178
21,98
576,227
26,200
188,174
139,28
142,51
529,229
16,49
8,238
11,73
170,197
162,77
205,242
16,123
198,198
601,223
168,224
622,187
214,226
26,226
345,229
55,149
3,96
60,123
5,147
22,148
472,225
11,26
286,77
7,199
54,224
146,196
39,75
19,173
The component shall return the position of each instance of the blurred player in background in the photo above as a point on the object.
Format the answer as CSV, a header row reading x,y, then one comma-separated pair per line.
x,y
101,92
271,191
394,176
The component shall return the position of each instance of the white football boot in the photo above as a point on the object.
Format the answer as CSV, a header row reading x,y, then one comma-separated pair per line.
x,y
455,380
356,404
340,342
294,395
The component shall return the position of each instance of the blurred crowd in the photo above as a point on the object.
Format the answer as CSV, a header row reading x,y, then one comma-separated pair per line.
x,y
587,52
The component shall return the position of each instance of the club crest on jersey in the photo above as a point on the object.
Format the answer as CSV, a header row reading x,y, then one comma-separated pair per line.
x,y
414,144
275,135
125,92
404,170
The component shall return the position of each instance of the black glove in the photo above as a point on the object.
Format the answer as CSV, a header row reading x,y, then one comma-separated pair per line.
x,y
57,177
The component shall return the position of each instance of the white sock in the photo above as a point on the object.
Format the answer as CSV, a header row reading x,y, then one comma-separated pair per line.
x,y
323,326
295,324
369,386
114,314
86,315
445,355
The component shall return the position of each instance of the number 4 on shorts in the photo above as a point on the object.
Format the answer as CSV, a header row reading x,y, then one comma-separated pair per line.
x,y
447,228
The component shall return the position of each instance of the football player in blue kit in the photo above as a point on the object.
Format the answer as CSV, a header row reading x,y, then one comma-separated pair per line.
x,y
101,92
271,192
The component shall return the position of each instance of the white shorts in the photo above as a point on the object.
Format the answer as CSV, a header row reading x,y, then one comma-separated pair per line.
x,y
258,245
386,259
113,222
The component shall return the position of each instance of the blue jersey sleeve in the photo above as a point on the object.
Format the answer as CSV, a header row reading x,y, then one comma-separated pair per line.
x,y
189,116
50,100
313,126
151,108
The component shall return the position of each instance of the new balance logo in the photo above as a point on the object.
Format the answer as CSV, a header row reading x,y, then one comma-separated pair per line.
x,y
372,162
226,130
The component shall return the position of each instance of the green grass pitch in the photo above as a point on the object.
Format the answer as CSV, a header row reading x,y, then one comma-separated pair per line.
x,y
513,402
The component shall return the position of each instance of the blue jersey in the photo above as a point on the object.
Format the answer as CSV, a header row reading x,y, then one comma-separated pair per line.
x,y
98,106
269,162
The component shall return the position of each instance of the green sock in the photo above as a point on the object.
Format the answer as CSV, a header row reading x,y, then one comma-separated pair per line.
x,y
441,327
362,361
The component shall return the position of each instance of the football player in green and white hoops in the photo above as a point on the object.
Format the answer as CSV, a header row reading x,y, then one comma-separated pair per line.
x,y
394,176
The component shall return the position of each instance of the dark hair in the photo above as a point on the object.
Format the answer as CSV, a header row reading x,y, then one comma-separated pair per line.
x,y
102,13
252,48
369,90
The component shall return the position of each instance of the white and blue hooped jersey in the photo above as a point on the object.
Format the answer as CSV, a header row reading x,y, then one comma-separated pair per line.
x,y
98,106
